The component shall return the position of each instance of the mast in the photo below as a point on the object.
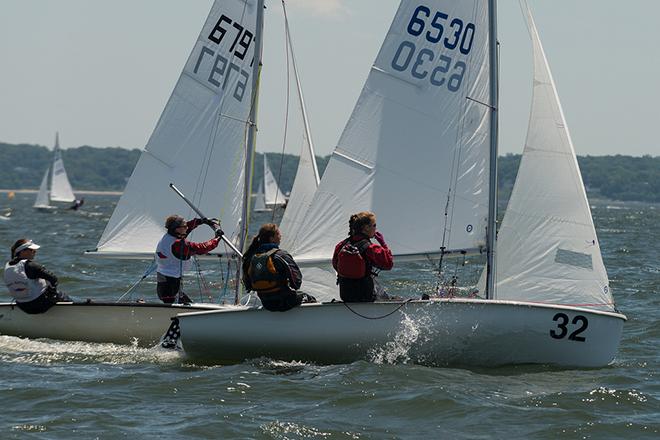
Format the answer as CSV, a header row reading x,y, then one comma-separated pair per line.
x,y
492,199
251,137
308,132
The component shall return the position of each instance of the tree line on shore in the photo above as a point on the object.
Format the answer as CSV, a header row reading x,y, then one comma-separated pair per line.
x,y
618,177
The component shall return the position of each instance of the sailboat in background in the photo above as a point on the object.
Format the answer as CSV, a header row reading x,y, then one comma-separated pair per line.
x,y
260,200
425,128
268,196
273,196
55,186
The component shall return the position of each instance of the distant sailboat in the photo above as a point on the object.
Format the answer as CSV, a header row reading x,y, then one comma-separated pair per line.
x,y
273,196
260,200
57,188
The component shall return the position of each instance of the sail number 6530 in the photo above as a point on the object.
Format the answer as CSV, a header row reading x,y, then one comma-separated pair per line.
x,y
562,330
459,34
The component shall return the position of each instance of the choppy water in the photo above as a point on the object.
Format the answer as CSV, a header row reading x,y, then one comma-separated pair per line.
x,y
54,389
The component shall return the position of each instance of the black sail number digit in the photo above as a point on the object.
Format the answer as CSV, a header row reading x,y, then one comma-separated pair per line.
x,y
574,336
561,325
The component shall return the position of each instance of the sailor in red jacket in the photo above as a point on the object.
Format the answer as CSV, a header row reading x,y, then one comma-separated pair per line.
x,y
356,258
173,255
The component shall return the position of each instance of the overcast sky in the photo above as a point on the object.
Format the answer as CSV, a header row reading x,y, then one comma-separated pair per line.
x,y
100,72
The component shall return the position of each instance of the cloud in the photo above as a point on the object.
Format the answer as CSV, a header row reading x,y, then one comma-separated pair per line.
x,y
326,8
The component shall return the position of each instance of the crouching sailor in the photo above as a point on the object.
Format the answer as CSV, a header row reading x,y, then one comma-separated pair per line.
x,y
272,272
33,287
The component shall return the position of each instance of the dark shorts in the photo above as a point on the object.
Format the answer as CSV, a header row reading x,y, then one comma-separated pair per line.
x,y
168,288
356,290
280,301
43,302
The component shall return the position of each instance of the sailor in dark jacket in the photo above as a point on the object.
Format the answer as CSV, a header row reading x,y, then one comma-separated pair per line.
x,y
272,272
33,287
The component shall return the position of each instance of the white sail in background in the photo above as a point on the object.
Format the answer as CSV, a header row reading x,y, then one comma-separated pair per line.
x,y
417,142
60,188
272,191
199,142
42,200
547,249
259,200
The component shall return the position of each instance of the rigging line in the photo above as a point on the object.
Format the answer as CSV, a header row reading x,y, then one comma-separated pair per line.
x,y
152,266
286,113
378,317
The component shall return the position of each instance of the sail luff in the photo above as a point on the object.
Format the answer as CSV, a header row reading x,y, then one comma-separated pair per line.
x,y
303,108
307,175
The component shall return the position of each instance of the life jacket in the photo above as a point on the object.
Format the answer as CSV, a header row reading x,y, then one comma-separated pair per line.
x,y
167,263
264,277
351,261
22,288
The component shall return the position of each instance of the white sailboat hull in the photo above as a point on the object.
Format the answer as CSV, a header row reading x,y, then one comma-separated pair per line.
x,y
119,323
470,332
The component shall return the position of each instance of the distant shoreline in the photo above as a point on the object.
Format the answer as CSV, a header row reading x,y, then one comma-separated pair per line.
x,y
34,191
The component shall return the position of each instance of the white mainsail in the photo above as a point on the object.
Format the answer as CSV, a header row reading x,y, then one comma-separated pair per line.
x,y
416,148
547,248
42,200
272,193
60,188
199,143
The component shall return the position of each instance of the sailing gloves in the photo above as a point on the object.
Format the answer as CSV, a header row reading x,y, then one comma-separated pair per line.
x,y
380,239
212,222
219,233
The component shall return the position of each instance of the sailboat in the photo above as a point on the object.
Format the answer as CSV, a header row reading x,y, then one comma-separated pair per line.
x,y
260,200
55,186
425,128
273,196
204,143
268,195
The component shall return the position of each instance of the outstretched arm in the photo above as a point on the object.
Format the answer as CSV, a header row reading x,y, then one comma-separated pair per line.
x,y
183,249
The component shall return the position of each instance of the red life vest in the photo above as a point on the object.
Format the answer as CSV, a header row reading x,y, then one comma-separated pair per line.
x,y
351,261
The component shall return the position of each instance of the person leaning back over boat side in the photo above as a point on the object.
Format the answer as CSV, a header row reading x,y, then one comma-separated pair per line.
x,y
272,272
173,253
33,287
356,257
